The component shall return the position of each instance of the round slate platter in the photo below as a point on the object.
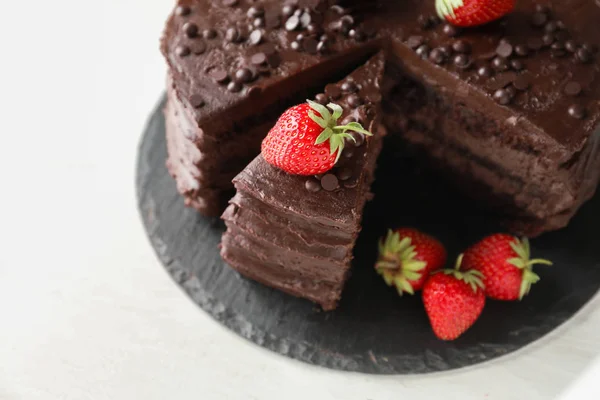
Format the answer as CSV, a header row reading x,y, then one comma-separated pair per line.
x,y
373,330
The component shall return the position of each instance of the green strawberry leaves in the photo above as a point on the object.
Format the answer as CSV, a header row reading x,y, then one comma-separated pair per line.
x,y
523,261
336,134
446,8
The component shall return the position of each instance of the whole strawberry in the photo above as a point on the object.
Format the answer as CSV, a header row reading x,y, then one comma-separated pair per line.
x,y
505,263
306,139
407,256
453,300
473,12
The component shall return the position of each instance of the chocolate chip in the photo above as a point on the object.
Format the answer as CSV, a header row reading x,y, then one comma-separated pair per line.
x,y
305,19
243,75
232,35
462,61
415,41
351,183
230,3
190,29
504,49
572,88
357,35
354,101
571,46
234,86
258,59
288,10
258,22
349,87
344,174
437,56
500,64
548,39
583,55
312,185
219,75
322,46
196,101
329,182
321,98
551,27
359,138
517,65
292,23
295,46
511,91
539,19
348,152
521,50
310,45
255,37
535,43
182,51
558,45
450,30
502,96
522,81
576,111
485,71
198,47
333,92
447,50
209,34
255,11
423,51
183,10
253,91
460,46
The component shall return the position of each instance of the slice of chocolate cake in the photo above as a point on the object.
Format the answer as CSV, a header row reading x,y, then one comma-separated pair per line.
x,y
297,233
234,66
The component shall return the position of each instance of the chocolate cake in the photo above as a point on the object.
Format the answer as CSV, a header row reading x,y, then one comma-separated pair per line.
x,y
508,111
302,244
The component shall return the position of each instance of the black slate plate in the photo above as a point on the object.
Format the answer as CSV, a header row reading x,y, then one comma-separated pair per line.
x,y
374,330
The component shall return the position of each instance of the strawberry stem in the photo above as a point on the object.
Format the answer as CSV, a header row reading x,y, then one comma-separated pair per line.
x,y
523,251
336,134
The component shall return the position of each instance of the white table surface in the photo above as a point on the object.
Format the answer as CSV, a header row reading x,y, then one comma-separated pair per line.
x,y
86,310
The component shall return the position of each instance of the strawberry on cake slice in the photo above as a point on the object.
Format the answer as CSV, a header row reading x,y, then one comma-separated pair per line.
x,y
297,213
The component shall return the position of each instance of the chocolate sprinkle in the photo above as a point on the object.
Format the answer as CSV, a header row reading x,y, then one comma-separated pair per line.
x,y
292,23
359,138
183,10
450,30
288,10
190,29
243,75
209,34
423,51
329,182
255,11
460,46
344,174
312,185
500,64
258,59
548,39
571,46
255,37
196,101
321,98
583,55
349,87
551,27
219,75
517,65
521,50
572,88
437,56
502,96
234,86
504,49
485,71
295,46
354,101
462,61
576,111
182,51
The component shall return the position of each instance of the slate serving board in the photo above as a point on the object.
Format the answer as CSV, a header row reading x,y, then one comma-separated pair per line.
x,y
374,330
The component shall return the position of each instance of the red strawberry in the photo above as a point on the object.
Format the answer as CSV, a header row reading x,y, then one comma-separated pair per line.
x,y
453,300
407,256
306,139
473,12
505,263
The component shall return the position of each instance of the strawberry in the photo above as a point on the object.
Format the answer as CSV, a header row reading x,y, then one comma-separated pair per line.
x,y
505,263
304,143
407,256
473,12
453,300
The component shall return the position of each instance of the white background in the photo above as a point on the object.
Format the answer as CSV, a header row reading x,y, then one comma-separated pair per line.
x,y
86,311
